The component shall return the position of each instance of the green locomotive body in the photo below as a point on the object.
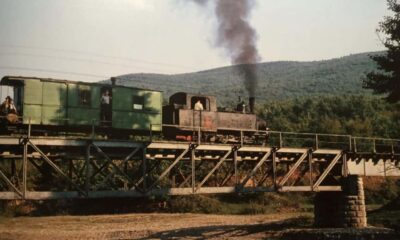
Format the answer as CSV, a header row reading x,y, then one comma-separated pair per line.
x,y
50,102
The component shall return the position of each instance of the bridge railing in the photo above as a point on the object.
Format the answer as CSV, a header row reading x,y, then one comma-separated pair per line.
x,y
376,145
309,140
315,141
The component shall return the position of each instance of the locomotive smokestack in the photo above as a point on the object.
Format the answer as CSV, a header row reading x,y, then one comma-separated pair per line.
x,y
252,101
113,81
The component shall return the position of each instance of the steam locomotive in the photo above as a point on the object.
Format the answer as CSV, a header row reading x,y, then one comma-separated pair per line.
x,y
58,106
181,120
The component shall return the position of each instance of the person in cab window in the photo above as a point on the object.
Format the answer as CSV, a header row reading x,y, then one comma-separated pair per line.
x,y
241,107
198,106
9,110
8,107
105,105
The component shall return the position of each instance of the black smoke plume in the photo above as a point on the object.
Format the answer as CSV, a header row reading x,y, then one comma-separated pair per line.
x,y
237,37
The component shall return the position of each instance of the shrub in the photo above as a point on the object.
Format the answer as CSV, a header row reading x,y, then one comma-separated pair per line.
x,y
381,192
195,204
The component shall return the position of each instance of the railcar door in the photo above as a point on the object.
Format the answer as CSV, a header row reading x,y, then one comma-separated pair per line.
x,y
106,107
18,99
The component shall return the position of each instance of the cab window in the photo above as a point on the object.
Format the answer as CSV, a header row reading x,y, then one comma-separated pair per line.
x,y
137,103
203,100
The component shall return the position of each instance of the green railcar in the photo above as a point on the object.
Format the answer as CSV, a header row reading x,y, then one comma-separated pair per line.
x,y
50,102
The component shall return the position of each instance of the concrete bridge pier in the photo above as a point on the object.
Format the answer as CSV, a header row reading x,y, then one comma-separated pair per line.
x,y
342,209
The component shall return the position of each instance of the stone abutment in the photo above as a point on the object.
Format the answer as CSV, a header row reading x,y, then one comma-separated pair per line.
x,y
342,209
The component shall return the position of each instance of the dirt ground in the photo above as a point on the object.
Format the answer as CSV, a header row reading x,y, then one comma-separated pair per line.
x,y
152,226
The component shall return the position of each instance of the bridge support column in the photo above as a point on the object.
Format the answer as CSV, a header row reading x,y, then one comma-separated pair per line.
x,y
342,209
353,210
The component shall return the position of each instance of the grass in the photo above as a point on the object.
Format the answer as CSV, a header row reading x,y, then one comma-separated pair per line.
x,y
387,215
239,204
261,203
385,218
3,219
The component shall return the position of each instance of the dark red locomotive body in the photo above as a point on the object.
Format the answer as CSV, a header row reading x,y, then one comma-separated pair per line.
x,y
182,121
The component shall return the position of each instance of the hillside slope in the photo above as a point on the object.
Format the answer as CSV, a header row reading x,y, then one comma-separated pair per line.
x,y
277,80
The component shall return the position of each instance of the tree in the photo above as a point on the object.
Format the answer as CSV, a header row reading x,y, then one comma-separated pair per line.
x,y
387,79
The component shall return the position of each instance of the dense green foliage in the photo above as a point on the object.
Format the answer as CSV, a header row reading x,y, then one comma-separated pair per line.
x,y
382,191
387,79
277,80
355,115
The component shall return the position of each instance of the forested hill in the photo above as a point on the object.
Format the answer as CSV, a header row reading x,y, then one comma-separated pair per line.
x,y
277,80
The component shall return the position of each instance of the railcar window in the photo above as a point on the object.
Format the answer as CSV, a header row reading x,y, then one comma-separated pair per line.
x,y
84,97
137,102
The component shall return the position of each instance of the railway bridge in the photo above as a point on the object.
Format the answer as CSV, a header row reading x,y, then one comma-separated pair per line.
x,y
39,168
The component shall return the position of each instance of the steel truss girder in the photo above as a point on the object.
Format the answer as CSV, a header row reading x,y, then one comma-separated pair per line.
x,y
226,159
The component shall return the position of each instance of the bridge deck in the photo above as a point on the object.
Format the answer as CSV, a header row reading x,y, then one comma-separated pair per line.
x,y
46,167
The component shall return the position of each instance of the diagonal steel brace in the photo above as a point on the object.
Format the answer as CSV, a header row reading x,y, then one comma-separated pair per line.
x,y
55,167
170,167
221,160
185,179
293,169
5,178
265,176
141,179
189,177
259,164
112,164
125,160
327,170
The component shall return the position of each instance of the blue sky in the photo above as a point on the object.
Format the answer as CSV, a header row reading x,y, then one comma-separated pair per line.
x,y
91,40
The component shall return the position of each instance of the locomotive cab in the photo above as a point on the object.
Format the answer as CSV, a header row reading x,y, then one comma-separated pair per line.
x,y
181,111
187,101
